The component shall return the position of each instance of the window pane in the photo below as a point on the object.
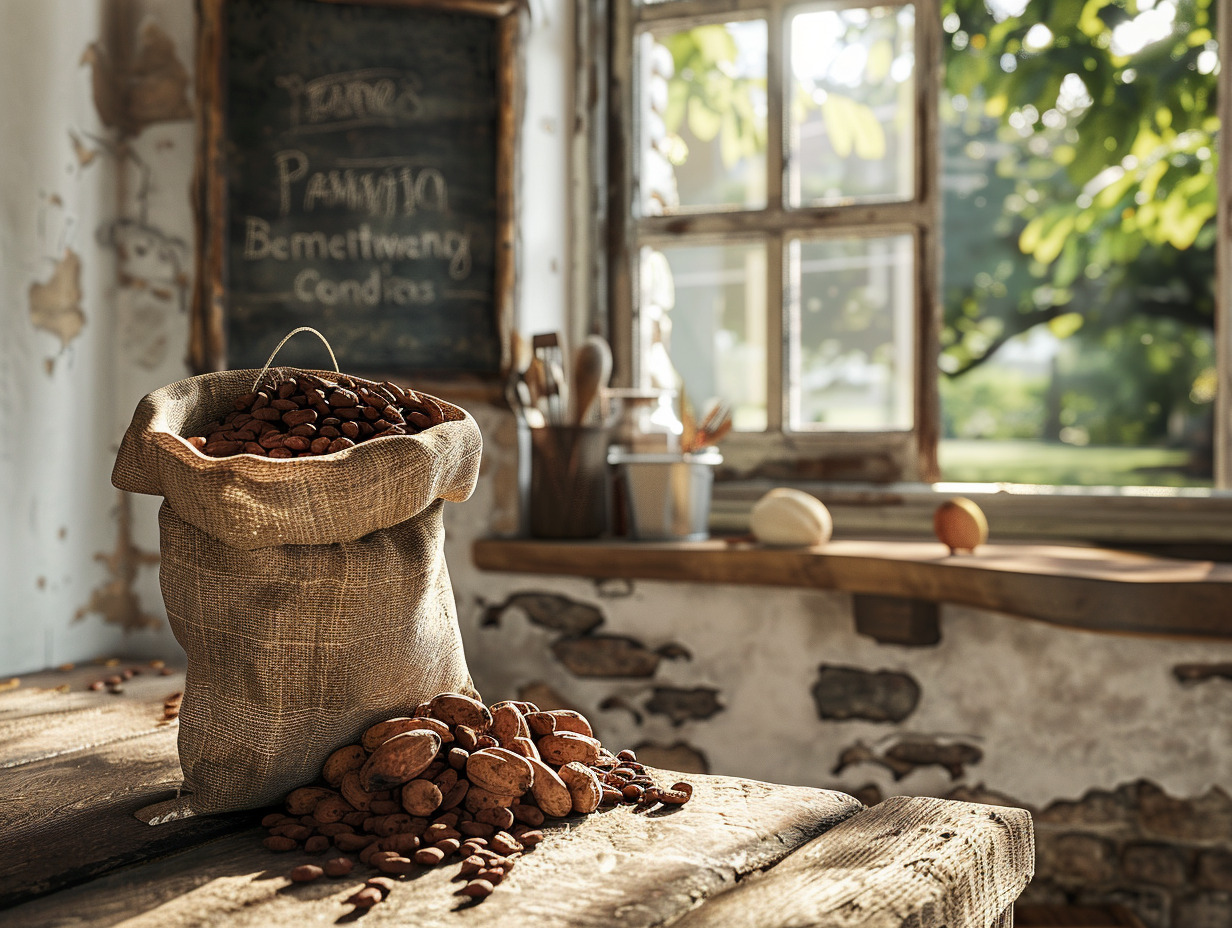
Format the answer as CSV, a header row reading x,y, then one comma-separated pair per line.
x,y
1080,233
851,91
851,310
703,319
702,118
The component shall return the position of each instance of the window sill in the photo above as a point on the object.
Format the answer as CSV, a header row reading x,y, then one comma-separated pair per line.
x,y
1187,518
1075,587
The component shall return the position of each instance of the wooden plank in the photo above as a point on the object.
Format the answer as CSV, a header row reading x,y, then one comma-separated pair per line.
x,y
76,765
1088,588
614,867
68,819
924,863
40,720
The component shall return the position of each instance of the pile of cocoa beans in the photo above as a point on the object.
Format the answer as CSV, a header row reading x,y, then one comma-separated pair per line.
x,y
303,415
457,779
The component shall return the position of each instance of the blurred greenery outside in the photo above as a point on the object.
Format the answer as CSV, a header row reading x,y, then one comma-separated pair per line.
x,y
1080,156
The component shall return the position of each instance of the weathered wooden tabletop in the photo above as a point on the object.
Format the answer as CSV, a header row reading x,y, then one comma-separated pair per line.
x,y
75,765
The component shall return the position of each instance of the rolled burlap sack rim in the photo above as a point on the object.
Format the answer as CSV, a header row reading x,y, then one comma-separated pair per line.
x,y
251,502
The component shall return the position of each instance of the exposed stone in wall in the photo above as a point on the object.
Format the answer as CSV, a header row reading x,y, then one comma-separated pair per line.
x,y
1214,870
1166,858
911,753
852,693
675,756
1096,809
1077,860
1154,863
606,656
549,610
1203,910
682,705
1151,906
55,306
1206,818
1199,673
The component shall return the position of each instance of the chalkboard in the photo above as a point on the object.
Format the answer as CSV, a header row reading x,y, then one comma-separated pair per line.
x,y
356,176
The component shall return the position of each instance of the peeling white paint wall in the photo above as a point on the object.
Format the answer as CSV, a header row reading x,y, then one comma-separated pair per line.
x,y
120,204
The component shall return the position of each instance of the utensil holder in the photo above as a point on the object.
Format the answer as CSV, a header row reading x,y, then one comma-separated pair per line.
x,y
568,481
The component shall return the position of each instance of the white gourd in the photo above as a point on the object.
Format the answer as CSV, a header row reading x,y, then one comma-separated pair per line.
x,y
791,517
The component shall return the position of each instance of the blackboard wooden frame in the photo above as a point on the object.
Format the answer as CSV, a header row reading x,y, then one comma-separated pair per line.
x,y
207,343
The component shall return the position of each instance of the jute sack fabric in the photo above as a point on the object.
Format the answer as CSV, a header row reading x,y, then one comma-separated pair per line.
x,y
311,594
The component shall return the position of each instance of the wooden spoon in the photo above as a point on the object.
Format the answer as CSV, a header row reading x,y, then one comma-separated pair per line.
x,y
592,367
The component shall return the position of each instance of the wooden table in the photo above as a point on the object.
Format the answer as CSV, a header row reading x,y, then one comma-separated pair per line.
x,y
75,764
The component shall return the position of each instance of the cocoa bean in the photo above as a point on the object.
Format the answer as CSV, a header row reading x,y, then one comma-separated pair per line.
x,y
340,444
399,760
366,898
342,398
223,448
306,873
339,866
500,771
304,800
421,797
342,761
478,889
300,417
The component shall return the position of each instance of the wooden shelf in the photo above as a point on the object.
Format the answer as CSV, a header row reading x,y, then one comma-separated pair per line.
x,y
1087,588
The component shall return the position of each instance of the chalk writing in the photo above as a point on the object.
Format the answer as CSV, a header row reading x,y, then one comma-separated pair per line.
x,y
372,96
360,243
397,189
311,286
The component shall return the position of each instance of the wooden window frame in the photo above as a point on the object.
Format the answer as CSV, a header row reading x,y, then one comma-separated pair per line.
x,y
879,488
880,456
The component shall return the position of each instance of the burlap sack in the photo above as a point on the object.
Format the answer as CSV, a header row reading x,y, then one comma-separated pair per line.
x,y
311,595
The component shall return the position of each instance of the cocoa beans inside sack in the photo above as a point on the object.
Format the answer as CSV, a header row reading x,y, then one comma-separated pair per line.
x,y
454,780
302,415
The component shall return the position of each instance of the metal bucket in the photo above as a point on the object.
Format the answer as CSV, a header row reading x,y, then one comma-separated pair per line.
x,y
668,494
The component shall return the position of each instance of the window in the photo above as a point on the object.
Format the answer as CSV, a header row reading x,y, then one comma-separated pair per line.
x,y
782,231
793,167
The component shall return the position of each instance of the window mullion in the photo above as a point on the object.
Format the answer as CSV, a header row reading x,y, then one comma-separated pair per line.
x,y
623,124
928,244
776,334
1222,450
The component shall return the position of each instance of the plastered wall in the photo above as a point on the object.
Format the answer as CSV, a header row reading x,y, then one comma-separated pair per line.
x,y
1126,760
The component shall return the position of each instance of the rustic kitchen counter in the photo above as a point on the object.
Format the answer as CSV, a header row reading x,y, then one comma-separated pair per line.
x,y
75,764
